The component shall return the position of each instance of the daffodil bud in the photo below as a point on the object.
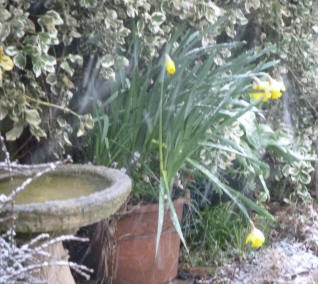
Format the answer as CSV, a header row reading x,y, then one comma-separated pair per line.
x,y
170,66
255,237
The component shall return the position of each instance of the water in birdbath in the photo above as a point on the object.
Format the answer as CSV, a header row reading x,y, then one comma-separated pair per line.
x,y
53,187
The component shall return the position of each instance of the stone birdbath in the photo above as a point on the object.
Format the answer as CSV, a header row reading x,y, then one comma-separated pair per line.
x,y
62,201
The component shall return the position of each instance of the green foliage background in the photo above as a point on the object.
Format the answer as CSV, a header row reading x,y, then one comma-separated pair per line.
x,y
53,42
50,41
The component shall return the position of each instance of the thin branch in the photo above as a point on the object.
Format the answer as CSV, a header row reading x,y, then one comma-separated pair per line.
x,y
13,259
64,109
7,218
49,167
6,154
62,239
81,269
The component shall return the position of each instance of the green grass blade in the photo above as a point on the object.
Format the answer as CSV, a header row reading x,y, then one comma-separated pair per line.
x,y
238,198
261,178
161,214
176,223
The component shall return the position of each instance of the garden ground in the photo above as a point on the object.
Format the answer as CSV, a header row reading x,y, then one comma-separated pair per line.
x,y
292,256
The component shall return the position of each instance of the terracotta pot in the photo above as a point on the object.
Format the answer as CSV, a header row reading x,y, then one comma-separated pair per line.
x,y
133,258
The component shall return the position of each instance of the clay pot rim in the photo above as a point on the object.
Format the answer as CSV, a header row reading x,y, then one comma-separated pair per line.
x,y
146,208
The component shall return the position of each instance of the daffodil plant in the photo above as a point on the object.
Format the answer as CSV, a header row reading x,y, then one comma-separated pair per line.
x,y
164,111
167,173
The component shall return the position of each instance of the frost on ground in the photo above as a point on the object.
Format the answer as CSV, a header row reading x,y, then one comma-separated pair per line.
x,y
286,261
293,258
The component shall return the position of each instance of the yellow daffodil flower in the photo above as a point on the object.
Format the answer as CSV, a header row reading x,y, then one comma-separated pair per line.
x,y
276,87
271,89
263,91
5,61
170,66
255,237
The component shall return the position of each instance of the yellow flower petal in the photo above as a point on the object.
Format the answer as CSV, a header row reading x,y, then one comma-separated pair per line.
x,y
267,96
256,238
262,85
265,88
271,89
6,62
276,94
257,96
276,87
170,66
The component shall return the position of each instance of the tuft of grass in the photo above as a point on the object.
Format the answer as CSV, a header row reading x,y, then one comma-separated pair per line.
x,y
217,234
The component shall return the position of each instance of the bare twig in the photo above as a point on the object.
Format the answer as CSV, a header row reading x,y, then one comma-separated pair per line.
x,y
14,259
81,269
46,168
6,154
62,239
3,197
29,180
6,218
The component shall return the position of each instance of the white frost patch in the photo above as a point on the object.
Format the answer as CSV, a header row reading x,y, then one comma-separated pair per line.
x,y
286,261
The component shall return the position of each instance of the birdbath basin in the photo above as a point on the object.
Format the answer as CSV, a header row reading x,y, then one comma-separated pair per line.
x,y
62,201
70,197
